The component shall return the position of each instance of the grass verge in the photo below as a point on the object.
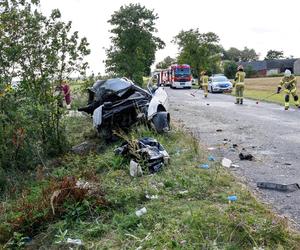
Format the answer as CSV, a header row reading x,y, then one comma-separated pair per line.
x,y
191,210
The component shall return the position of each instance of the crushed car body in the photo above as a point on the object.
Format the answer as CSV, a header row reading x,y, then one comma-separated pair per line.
x,y
119,103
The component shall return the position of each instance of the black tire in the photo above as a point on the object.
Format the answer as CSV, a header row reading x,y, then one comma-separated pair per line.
x,y
161,122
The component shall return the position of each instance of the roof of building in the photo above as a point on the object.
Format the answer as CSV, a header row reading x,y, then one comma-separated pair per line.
x,y
270,64
283,63
255,65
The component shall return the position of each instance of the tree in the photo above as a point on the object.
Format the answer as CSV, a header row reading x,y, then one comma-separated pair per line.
x,y
274,54
133,42
236,55
230,69
200,50
38,51
167,62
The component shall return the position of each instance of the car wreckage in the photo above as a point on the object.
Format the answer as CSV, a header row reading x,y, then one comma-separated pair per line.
x,y
119,103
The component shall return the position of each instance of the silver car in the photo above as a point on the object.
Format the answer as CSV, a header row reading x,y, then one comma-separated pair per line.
x,y
219,83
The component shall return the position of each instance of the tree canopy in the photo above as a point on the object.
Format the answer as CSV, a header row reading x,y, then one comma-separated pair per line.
x,y
167,62
199,50
133,42
38,52
236,55
274,54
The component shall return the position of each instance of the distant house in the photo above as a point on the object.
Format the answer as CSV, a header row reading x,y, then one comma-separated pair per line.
x,y
273,67
259,67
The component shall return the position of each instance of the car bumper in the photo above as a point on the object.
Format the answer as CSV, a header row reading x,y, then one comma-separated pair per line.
x,y
219,89
181,85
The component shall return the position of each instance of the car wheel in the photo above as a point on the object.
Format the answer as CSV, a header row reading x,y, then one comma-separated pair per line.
x,y
161,122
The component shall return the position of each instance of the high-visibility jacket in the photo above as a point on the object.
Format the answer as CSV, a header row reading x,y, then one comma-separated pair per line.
x,y
204,80
288,83
239,78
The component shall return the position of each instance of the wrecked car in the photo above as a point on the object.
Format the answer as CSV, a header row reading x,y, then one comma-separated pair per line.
x,y
118,104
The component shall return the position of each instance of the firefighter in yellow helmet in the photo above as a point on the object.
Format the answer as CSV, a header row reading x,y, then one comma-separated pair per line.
x,y
289,83
204,82
239,84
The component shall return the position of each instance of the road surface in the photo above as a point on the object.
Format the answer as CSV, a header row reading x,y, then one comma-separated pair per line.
x,y
264,130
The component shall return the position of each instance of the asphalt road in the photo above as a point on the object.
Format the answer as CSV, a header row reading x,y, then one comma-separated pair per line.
x,y
264,130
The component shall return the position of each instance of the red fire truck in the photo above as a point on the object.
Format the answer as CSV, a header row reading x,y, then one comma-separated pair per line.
x,y
180,76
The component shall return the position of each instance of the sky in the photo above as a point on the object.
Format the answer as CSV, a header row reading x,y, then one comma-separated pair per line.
x,y
258,24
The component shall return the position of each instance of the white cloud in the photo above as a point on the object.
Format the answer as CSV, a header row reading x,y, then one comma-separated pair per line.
x,y
257,24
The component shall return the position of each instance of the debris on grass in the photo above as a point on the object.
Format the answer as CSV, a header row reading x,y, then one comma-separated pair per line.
x,y
148,152
77,242
151,197
232,198
279,187
141,212
135,169
211,158
204,166
183,192
226,163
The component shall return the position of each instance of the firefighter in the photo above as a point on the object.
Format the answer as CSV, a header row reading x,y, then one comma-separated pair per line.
x,y
239,84
289,82
204,82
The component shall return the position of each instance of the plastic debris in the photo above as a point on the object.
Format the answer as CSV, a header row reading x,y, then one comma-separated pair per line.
x,y
234,166
211,148
135,169
204,166
151,197
141,212
75,241
211,158
226,163
279,187
219,130
183,192
248,157
232,198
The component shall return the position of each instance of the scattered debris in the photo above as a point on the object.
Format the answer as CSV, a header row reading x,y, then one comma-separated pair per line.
x,y
234,145
207,104
211,148
234,166
135,169
75,241
183,192
183,242
287,164
204,166
148,152
141,212
279,187
226,163
248,157
151,197
219,130
232,198
211,158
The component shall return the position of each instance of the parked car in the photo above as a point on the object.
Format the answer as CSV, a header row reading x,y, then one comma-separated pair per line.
x,y
219,83
119,103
